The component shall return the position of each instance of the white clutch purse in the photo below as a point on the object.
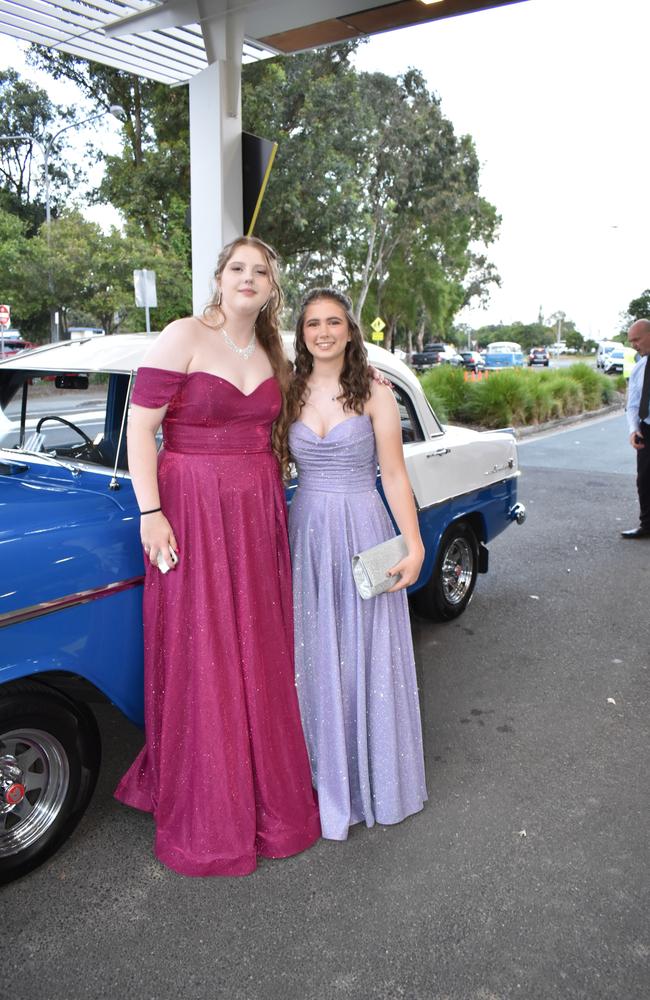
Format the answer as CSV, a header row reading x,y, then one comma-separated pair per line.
x,y
369,568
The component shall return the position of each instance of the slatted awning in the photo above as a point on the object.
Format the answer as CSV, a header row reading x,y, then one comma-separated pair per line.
x,y
166,39
172,55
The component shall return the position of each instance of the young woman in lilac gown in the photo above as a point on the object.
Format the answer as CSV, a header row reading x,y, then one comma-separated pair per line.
x,y
355,670
224,769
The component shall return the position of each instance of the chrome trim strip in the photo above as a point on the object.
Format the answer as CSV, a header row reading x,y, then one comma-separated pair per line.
x,y
459,496
69,601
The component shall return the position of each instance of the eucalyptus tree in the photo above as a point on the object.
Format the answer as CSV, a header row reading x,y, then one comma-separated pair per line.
x,y
28,120
152,170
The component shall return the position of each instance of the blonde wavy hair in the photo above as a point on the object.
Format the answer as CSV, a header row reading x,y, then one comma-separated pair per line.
x,y
267,331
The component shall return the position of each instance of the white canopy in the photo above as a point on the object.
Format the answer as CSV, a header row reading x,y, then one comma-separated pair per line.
x,y
173,40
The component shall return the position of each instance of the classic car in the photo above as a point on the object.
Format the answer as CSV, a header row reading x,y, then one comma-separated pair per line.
x,y
503,354
72,564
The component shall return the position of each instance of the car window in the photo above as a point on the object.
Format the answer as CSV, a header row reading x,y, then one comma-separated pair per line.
x,y
411,429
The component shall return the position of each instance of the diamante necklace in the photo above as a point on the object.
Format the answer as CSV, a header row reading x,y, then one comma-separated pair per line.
x,y
243,352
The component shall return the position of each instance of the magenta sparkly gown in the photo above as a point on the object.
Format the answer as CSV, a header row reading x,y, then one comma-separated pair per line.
x,y
224,769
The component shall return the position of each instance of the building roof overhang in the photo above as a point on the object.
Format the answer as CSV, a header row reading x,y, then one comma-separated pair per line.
x,y
166,41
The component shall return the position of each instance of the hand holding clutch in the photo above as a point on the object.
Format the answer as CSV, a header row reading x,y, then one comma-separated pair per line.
x,y
369,568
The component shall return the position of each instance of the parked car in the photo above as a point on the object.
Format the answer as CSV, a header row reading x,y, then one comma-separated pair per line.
x,y
539,356
605,347
620,361
10,347
72,565
434,354
472,361
503,354
430,355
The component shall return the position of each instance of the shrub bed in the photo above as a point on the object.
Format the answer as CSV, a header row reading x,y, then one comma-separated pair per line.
x,y
516,395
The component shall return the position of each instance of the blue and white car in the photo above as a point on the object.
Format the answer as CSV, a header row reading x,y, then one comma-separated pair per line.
x,y
72,566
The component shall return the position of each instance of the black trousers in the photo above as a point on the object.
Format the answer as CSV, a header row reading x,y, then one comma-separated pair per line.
x,y
643,476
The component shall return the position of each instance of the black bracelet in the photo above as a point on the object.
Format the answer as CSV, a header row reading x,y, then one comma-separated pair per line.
x,y
154,510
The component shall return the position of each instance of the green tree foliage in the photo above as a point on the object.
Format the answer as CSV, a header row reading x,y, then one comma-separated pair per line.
x,y
639,308
370,182
26,111
152,175
527,334
82,272
14,250
371,186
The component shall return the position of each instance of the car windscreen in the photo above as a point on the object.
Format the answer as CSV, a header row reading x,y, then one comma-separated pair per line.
x,y
72,416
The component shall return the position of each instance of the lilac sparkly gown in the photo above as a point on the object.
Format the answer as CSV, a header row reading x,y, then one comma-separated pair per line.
x,y
355,670
224,769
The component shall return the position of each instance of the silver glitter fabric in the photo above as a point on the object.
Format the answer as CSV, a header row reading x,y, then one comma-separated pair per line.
x,y
355,670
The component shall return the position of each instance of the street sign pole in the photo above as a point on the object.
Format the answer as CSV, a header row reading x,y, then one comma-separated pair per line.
x,y
377,327
144,283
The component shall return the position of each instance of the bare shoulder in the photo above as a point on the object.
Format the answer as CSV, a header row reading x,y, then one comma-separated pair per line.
x,y
381,395
175,346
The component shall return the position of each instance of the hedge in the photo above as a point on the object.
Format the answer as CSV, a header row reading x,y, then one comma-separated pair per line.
x,y
516,395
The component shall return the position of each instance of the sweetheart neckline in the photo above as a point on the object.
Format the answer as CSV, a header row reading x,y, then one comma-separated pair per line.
x,y
357,416
199,371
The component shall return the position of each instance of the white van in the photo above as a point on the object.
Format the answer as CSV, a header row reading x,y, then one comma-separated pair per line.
x,y
605,347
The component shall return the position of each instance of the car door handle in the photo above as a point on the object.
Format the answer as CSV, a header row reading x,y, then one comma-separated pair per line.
x,y
439,452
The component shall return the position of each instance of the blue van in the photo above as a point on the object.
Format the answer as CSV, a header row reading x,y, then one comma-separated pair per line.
x,y
504,354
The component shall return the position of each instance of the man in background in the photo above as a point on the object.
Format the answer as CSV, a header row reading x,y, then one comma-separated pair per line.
x,y
638,421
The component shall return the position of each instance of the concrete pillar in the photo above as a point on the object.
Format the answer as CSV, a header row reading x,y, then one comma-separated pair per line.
x,y
216,171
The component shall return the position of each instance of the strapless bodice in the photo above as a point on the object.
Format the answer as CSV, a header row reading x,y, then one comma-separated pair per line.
x,y
209,414
343,461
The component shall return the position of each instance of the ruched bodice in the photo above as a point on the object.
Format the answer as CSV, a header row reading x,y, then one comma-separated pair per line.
x,y
344,461
207,414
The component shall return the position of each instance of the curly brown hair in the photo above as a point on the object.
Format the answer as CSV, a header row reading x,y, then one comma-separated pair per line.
x,y
267,330
355,380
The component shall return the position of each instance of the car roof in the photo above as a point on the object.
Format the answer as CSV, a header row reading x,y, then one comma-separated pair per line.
x,y
125,353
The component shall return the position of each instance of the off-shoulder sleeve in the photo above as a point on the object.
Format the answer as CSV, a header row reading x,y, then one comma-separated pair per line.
x,y
154,387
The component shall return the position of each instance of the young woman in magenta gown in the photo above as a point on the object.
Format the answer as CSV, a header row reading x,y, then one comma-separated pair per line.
x,y
224,769
355,670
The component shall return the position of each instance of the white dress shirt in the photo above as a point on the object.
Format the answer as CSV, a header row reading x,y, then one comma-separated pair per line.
x,y
634,395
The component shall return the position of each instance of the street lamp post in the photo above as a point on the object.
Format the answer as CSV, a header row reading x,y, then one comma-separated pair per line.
x,y
46,148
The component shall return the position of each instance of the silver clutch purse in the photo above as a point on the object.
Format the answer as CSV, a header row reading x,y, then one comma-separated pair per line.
x,y
369,568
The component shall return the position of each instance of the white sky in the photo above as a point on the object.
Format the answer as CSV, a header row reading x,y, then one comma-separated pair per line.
x,y
555,94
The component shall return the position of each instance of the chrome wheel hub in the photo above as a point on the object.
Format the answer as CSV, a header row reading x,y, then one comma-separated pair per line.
x,y
457,570
34,780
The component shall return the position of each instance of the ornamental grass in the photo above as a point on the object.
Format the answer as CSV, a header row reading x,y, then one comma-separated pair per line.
x,y
516,395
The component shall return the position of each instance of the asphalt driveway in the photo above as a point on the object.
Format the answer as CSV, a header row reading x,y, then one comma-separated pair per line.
x,y
524,877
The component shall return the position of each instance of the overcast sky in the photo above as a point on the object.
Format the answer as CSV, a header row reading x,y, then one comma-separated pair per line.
x,y
555,94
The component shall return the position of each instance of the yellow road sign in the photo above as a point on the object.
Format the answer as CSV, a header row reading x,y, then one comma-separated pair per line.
x,y
377,325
